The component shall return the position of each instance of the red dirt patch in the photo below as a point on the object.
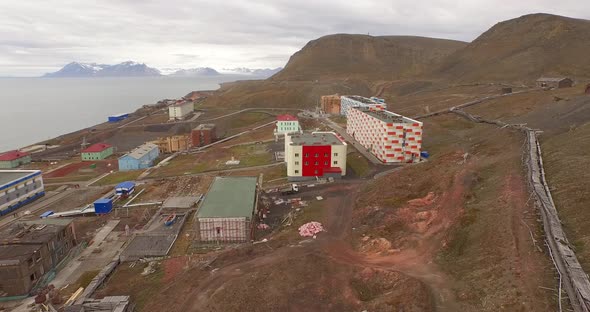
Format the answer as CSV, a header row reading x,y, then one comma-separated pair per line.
x,y
173,267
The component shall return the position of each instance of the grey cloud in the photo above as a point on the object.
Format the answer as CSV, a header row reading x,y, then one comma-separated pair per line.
x,y
39,36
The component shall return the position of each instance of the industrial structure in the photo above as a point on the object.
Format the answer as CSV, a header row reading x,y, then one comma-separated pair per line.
x,y
140,158
172,144
349,101
18,188
287,124
225,215
554,83
203,134
316,154
330,104
13,159
180,109
98,151
388,136
31,249
103,205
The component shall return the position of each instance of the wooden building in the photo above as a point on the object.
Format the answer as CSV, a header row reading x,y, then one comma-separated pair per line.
x,y
554,83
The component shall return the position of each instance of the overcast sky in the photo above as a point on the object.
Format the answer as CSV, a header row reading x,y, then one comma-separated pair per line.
x,y
41,36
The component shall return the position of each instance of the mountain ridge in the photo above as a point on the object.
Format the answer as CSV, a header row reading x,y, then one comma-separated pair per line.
x,y
124,69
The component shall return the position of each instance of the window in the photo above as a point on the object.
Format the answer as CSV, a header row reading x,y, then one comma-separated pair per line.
x,y
326,162
316,155
335,154
306,154
325,154
33,277
317,163
335,162
315,172
296,163
296,171
306,163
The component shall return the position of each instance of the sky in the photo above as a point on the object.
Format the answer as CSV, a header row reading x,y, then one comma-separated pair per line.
x,y
41,36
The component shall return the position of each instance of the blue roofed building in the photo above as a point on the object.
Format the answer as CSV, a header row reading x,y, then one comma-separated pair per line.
x,y
140,158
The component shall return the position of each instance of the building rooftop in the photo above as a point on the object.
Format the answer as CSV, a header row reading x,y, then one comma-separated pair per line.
x,y
181,103
180,202
142,150
205,127
552,79
120,115
361,99
14,254
15,176
286,117
386,116
316,138
229,197
33,232
12,155
96,148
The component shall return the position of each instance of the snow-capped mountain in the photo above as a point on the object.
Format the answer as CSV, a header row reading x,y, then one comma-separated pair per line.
x,y
195,72
125,69
260,72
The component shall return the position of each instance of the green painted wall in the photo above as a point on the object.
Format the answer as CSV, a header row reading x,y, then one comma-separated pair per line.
x,y
15,163
99,155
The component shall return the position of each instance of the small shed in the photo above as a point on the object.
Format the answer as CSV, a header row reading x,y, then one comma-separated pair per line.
x,y
554,83
103,205
125,188
225,214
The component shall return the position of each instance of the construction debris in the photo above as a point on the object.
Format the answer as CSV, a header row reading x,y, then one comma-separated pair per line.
x,y
150,268
310,229
263,226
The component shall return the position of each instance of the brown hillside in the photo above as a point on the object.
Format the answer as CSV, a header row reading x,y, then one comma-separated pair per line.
x,y
363,56
523,49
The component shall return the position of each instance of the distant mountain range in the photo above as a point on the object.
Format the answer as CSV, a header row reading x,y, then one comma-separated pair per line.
x,y
134,69
125,69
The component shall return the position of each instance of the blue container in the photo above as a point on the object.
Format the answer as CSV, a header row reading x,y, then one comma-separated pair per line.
x,y
119,117
124,188
103,205
424,154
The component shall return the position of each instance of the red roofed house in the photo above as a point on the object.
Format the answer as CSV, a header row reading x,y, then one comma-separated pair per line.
x,y
287,124
98,151
14,159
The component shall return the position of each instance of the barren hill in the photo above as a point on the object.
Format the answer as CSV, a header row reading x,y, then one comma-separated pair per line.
x,y
356,56
523,49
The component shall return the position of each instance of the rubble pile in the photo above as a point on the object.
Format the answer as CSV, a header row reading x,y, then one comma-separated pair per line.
x,y
310,229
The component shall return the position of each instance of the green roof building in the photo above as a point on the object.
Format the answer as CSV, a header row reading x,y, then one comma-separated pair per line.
x,y
225,214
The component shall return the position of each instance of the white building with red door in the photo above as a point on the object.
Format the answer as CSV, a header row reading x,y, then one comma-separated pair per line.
x,y
388,136
316,154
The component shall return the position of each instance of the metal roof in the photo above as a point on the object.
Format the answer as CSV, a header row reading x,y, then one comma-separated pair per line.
x,y
141,151
286,117
205,127
95,148
12,155
316,138
229,197
125,185
361,99
552,79
386,116
8,176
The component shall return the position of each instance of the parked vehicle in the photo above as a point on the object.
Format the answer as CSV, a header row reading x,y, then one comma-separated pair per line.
x,y
292,189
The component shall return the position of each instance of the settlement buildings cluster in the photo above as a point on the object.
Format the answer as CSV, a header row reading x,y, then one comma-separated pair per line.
x,y
389,136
